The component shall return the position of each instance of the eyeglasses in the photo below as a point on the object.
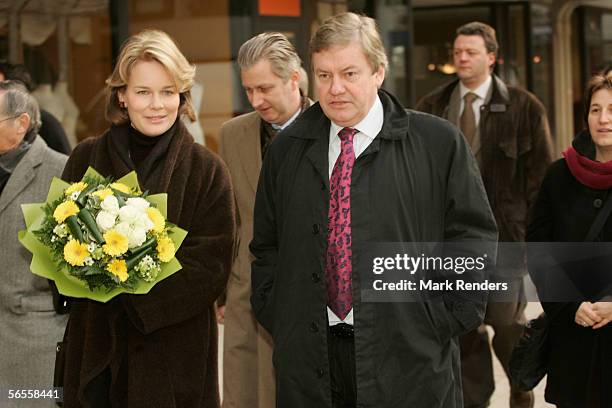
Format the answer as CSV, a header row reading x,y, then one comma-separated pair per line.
x,y
10,117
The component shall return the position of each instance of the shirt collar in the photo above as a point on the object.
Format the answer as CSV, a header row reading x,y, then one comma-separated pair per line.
x,y
481,91
287,123
370,125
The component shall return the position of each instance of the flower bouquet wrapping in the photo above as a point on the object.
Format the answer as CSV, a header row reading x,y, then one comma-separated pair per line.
x,y
98,238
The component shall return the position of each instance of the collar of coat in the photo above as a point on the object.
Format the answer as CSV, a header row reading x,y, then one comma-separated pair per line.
x,y
395,125
499,96
167,156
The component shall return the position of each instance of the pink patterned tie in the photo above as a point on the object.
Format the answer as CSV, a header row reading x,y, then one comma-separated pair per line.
x,y
338,266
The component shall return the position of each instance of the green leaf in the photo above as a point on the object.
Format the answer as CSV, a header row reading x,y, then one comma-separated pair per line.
x,y
91,224
74,227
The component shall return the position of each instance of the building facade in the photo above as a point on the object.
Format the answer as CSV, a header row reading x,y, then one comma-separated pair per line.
x,y
550,47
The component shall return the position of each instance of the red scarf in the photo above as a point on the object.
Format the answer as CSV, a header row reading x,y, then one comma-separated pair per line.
x,y
591,173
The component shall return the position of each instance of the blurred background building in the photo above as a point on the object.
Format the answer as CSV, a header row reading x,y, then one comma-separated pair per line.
x,y
550,47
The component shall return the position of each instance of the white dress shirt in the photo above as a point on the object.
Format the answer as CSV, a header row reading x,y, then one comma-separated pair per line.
x,y
368,129
481,93
278,128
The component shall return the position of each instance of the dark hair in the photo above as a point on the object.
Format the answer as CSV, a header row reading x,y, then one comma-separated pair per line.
x,y
603,80
17,72
483,30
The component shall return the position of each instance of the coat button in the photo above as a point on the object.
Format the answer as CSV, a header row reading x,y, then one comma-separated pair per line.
x,y
316,277
262,295
314,327
315,229
320,373
597,203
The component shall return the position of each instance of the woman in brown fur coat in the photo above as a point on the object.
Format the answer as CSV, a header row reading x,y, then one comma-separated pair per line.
x,y
159,349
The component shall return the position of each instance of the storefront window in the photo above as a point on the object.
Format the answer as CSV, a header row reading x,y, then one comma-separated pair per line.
x,y
434,32
591,52
541,57
66,48
202,32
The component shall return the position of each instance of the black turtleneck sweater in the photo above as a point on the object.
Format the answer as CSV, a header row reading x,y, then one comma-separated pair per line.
x,y
141,145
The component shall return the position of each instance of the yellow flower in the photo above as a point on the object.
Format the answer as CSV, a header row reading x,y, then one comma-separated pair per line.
x,y
165,249
75,253
102,194
116,243
65,210
74,187
118,268
121,187
157,219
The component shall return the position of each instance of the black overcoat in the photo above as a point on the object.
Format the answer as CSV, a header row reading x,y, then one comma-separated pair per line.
x,y
416,182
564,212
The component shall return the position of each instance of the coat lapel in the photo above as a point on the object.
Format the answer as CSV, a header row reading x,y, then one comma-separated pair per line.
x,y
23,174
318,151
248,145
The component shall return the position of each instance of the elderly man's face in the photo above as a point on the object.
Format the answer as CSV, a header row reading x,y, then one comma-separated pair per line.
x,y
12,128
345,83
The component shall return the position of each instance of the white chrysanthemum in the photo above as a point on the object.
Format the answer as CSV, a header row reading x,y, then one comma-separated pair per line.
x,y
136,235
138,202
110,204
106,220
135,217
128,214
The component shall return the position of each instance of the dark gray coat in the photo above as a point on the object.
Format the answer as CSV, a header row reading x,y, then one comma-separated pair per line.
x,y
29,327
417,182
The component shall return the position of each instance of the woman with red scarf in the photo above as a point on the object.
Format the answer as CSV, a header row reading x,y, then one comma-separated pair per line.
x,y
574,191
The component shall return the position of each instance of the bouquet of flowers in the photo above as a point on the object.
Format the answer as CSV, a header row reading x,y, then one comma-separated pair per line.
x,y
98,238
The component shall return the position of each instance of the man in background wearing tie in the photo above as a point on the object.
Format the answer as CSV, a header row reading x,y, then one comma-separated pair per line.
x,y
354,170
508,132
270,74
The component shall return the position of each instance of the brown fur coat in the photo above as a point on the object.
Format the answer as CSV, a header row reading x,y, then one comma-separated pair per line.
x,y
159,349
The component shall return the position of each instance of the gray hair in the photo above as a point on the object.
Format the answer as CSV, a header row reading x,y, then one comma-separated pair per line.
x,y
274,47
17,100
303,82
344,28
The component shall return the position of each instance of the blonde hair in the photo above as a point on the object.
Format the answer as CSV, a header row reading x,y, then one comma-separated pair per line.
x,y
150,45
345,28
274,47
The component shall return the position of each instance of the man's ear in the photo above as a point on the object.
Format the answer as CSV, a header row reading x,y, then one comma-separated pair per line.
x,y
23,123
295,79
380,76
491,57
